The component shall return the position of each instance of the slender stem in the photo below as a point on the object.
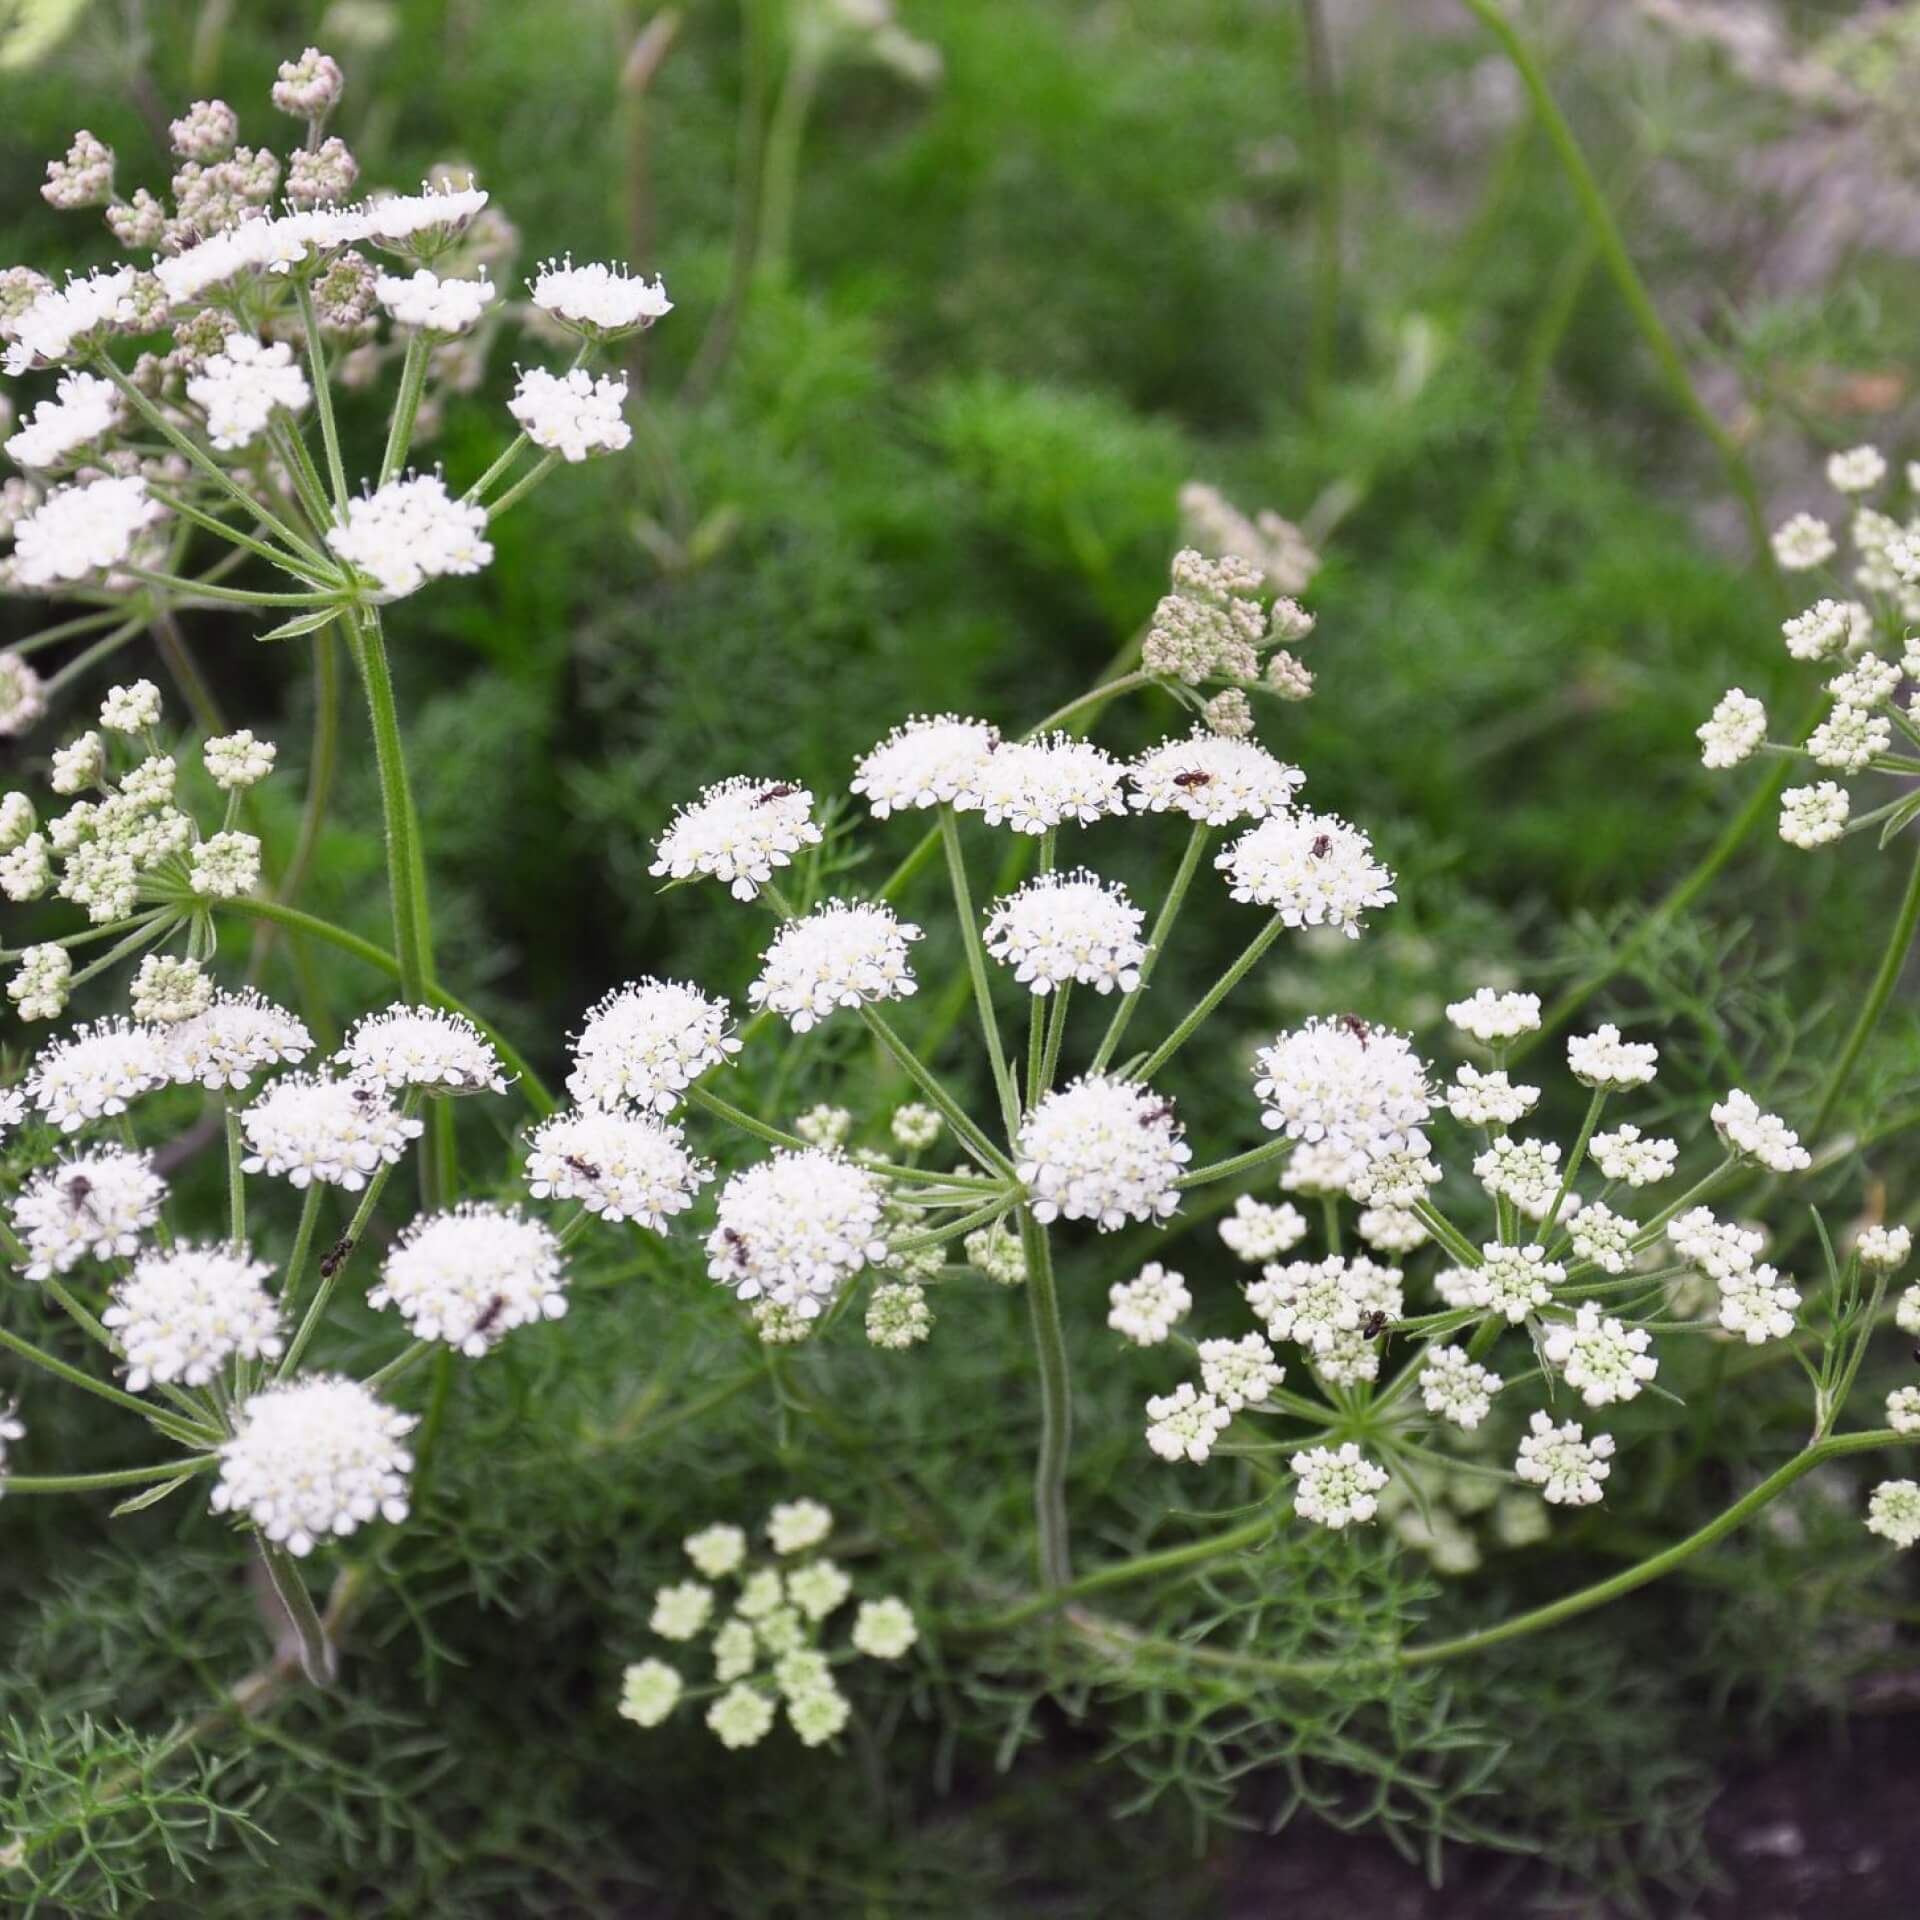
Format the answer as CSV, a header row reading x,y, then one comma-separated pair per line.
x,y
1446,1233
406,404
1892,960
400,1363
330,1281
296,1270
1181,1034
75,1378
977,968
1056,1406
1574,1159
322,391
233,596
1056,1037
286,561
1240,1163
322,762
117,1477
236,1182
969,1135
319,1660
514,449
93,655
982,1216
524,485
65,630
782,163
1162,927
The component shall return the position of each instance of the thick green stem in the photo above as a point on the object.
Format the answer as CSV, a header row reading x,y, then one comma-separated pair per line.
x,y
1892,960
1056,1407
319,1660
236,1182
1156,945
1181,1034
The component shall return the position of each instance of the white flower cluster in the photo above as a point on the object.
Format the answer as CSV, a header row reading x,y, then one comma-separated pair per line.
x,y
738,831
81,530
844,954
926,762
621,1166
1147,1308
406,1046
1492,1017
181,1314
1257,1231
311,1127
469,1277
1068,929
239,389
1336,1486
1312,869
423,299
1569,1469
795,1227
96,1203
572,414
1603,1359
1359,1092
1104,1150
82,415
603,302
1212,780
645,1043
1184,1424
411,531
1603,1060
1758,1136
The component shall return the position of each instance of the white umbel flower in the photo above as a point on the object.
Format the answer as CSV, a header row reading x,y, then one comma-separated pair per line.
x,y
59,322
1184,1424
915,1126
77,531
1604,1059
404,1046
1527,1172
315,1457
80,764
1802,542
1314,1302
618,1165
1869,682
572,414
931,761
1147,1308
471,1276
1604,1238
1104,1150
1312,869
844,954
1454,1386
738,831
604,302
182,1314
1033,785
795,1525
884,1629
422,299
1258,1232
1391,1229
1715,1246
240,387
23,704
1491,1017
1903,1409
309,1127
794,1228
1213,780
1569,1469
898,1316
1826,628
1757,1304
1893,1512
225,866
1065,929
1856,469
1814,816
717,1551
167,990
39,989
649,1692
1886,1248
1603,1359
1762,1137
1337,1486
1638,1159
96,1204
94,1071
238,759
1849,739
1514,1281
1488,1099
237,1037
1360,1091
420,222
823,1125
85,410
1239,1373
1735,732
645,1043
411,531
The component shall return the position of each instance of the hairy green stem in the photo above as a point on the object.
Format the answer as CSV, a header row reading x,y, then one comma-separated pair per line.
x,y
1056,1406
115,1477
406,406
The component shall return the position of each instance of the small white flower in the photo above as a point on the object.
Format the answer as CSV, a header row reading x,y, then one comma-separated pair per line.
x,y
1604,1238
1455,1387
1402,1177
824,1125
1391,1229
77,531
1104,1150
1359,1090
309,1128
94,1071
1068,929
795,1525
225,866
1757,1304
307,88
1514,1281
1148,1307
84,412
1336,1486
796,1227
1488,1099
1802,542
1885,1247
1870,682
717,1551
1258,1232
238,760
17,821
61,322
1603,1059
314,1457
1825,629
681,1610
422,299
601,301
915,1127
411,531
996,1251
421,222
1625,1154
843,954
235,1038
1032,785
39,987
1314,1302
1527,1172
1239,1373
1184,1424
931,761
469,1277
167,990
1213,780
617,1165
181,1314
1849,739
1491,1017
649,1692
764,1593
884,1629
1763,1137
1736,731
405,1046
1604,1360
898,1316
23,698
1903,1409
1893,1512
96,1203
1312,869
240,388
1813,816
1569,1469
645,1043
572,414
1715,1247
1906,1310
1856,470
740,1718
738,831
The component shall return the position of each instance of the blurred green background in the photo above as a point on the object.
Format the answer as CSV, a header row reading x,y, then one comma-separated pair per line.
x,y
925,454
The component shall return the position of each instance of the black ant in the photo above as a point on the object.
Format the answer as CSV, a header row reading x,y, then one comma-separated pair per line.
x,y
335,1257
363,1095
1322,846
736,1245
584,1168
1192,778
779,791
1154,1115
1354,1025
79,1191
490,1313
1373,1326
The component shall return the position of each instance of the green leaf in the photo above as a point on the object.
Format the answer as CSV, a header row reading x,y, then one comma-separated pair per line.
x,y
150,1496
304,623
